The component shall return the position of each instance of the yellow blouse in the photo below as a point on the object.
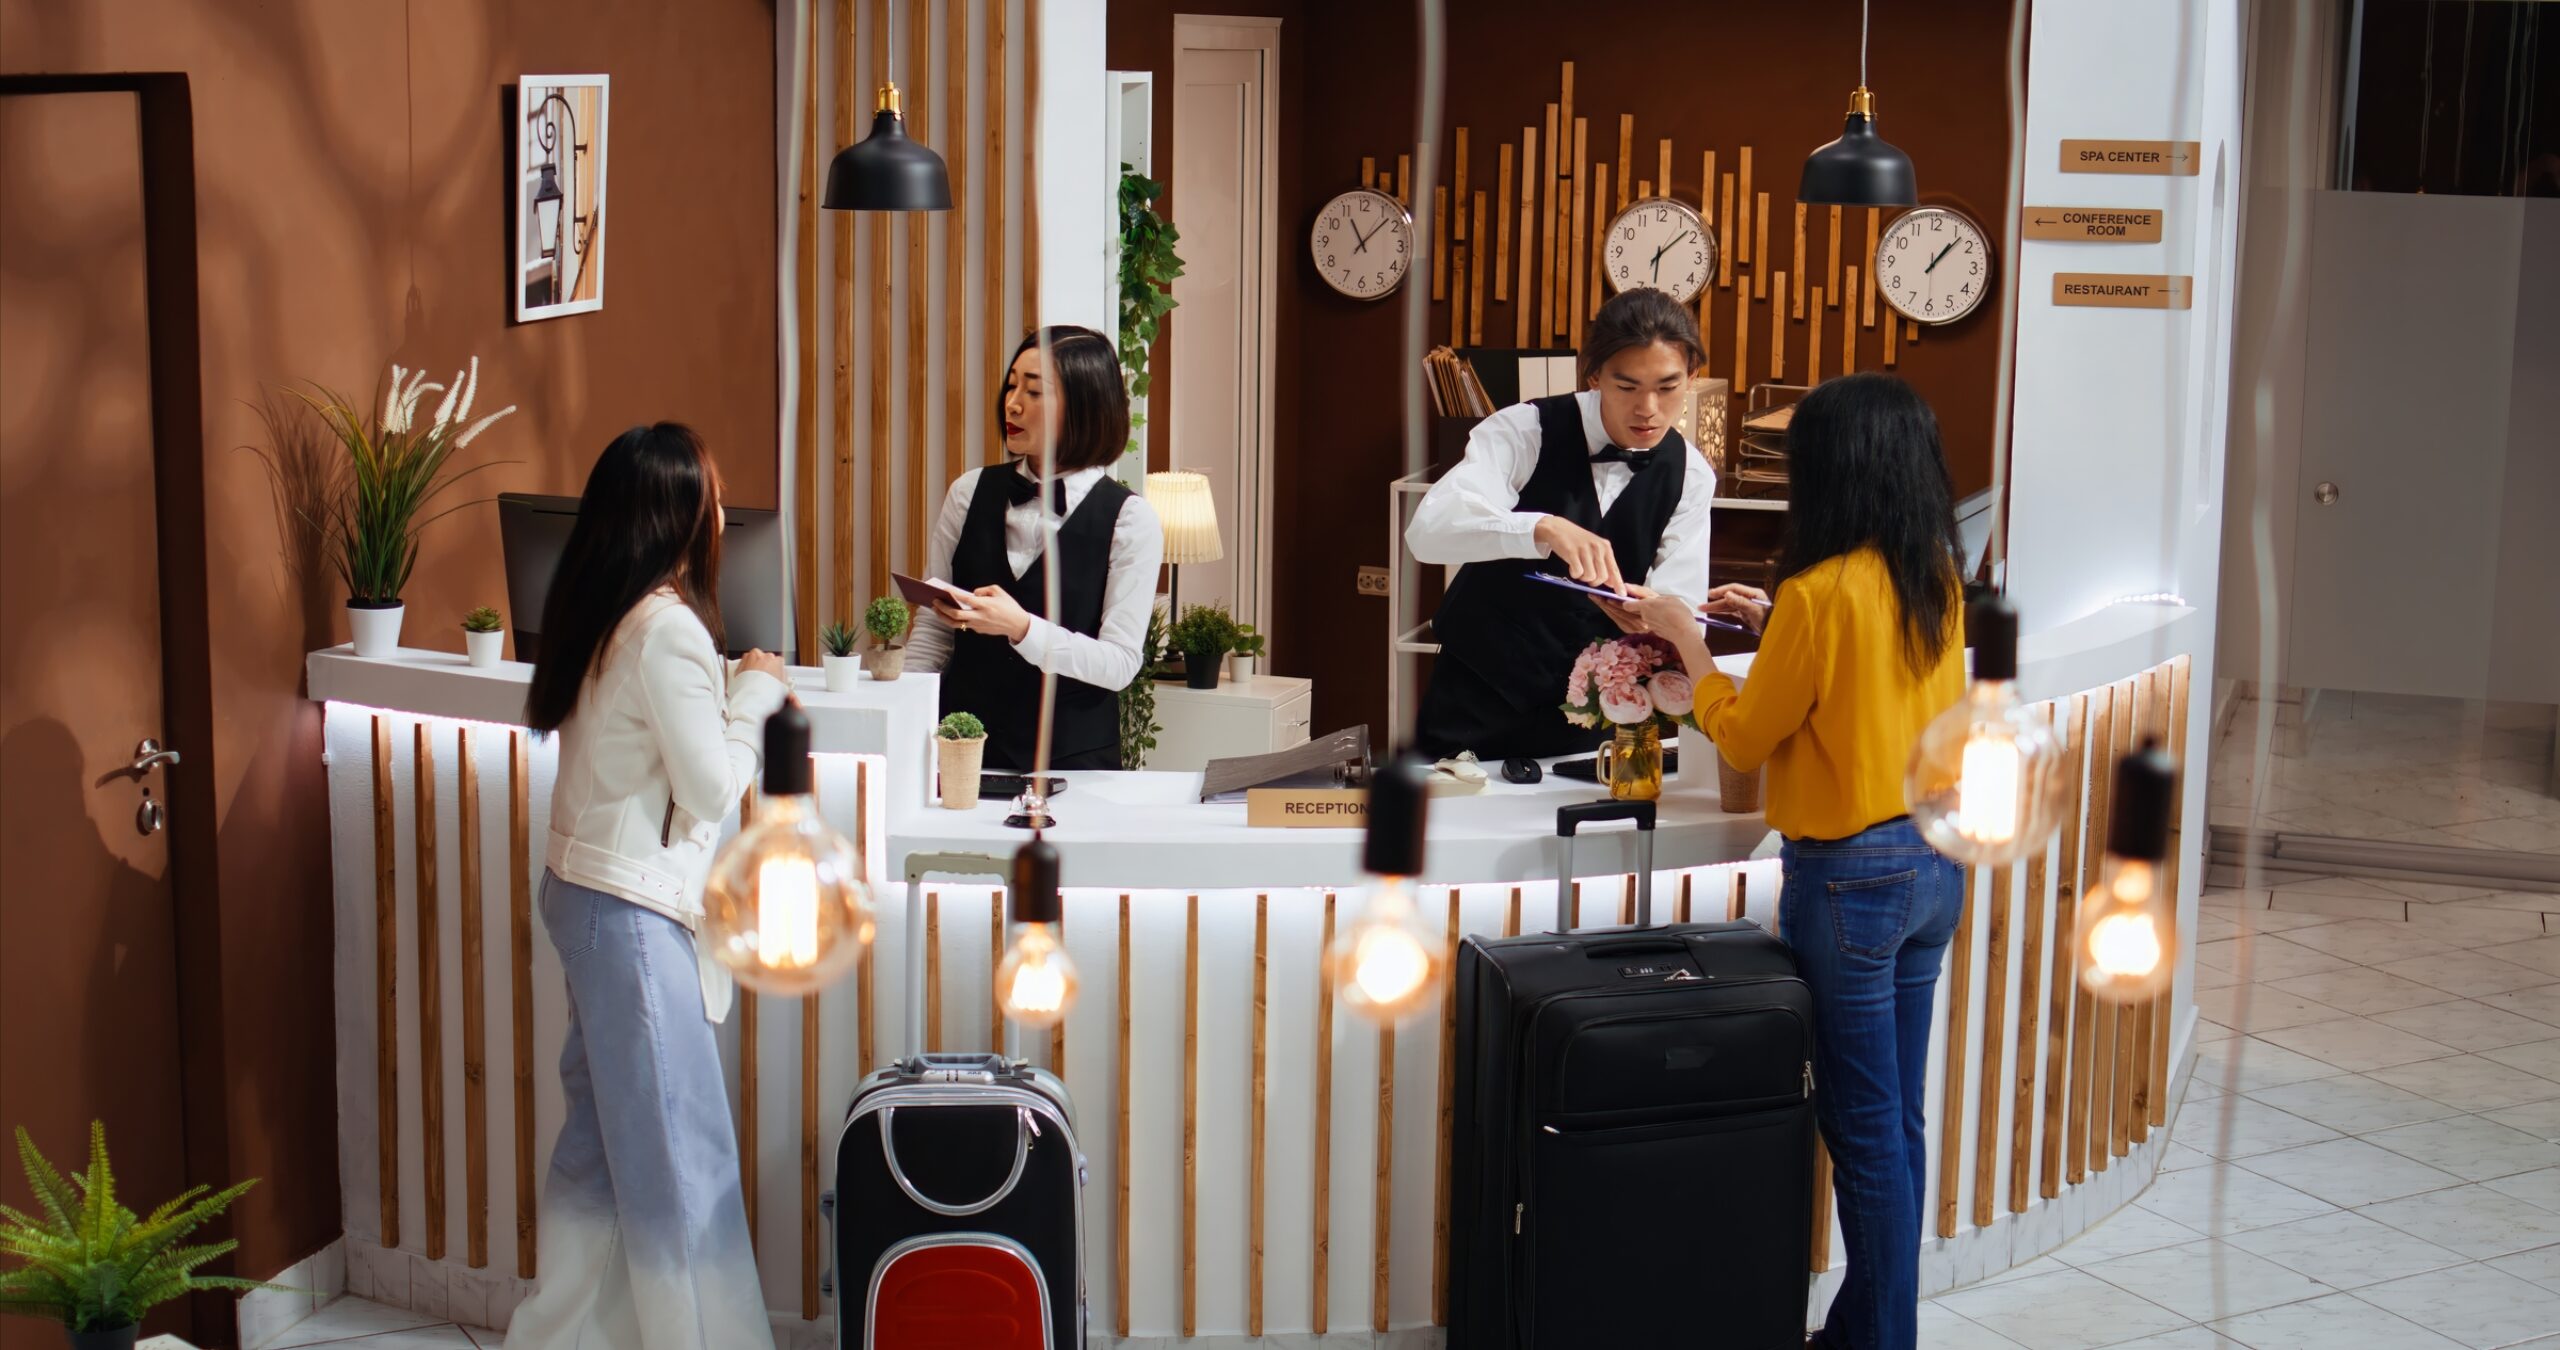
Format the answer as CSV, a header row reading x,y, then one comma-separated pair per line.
x,y
1831,705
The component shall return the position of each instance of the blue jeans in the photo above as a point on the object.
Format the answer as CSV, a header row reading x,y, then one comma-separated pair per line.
x,y
643,1242
1869,918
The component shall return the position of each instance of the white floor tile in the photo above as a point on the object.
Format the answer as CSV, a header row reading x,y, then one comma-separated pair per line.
x,y
2267,958
2529,902
2264,920
2368,942
2470,974
2338,1322
2541,1003
2540,1058
2467,1025
2471,1082
2346,1249
2540,1187
2354,1103
2435,892
2263,1007
2184,1338
2542,953
2474,1148
346,1319
2126,1232
2479,1305
2541,1265
2209,1280
2537,1118
2473,1220
1944,1326
2363,992
2464,925
2220,1201
2064,1311
2357,1044
2246,1064
2239,1126
2378,905
2350,1172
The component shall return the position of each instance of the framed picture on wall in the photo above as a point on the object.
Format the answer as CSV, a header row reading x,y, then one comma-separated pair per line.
x,y
561,139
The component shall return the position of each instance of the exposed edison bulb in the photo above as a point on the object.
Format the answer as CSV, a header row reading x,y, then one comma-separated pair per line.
x,y
1387,961
2123,932
1987,778
1036,981
785,907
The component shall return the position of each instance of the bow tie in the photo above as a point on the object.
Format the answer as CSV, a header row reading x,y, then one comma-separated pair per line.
x,y
1022,491
1619,454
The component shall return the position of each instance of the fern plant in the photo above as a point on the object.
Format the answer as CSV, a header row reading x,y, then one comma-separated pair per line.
x,y
1148,266
89,1262
1138,726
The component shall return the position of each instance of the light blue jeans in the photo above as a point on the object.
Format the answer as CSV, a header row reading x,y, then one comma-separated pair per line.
x,y
643,1242
1869,918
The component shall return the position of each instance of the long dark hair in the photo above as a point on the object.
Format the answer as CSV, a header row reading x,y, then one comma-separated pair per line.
x,y
1864,468
650,516
1084,373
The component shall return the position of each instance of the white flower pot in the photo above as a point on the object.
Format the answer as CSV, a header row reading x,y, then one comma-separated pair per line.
x,y
1241,667
377,631
842,672
486,649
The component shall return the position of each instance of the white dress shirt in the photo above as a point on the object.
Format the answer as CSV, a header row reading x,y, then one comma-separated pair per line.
x,y
1107,660
1471,514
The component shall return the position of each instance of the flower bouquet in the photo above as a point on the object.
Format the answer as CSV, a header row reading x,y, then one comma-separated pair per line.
x,y
1635,685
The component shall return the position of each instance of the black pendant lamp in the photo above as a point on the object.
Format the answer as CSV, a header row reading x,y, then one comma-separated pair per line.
x,y
888,170
1861,168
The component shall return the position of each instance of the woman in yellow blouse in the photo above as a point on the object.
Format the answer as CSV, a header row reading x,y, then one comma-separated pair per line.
x,y
1862,647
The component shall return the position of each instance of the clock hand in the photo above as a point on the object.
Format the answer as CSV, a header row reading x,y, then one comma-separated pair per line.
x,y
1933,262
1363,245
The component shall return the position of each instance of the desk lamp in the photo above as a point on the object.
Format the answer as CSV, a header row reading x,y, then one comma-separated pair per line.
x,y
1190,517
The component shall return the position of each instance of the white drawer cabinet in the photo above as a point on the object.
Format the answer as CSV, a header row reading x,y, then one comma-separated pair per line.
x,y
1240,717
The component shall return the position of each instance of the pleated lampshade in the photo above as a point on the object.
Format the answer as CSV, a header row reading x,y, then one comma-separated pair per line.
x,y
1189,514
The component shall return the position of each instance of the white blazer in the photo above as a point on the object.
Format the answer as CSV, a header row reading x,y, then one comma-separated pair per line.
x,y
657,753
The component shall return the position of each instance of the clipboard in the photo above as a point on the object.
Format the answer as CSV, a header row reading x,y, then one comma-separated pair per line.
x,y
1612,597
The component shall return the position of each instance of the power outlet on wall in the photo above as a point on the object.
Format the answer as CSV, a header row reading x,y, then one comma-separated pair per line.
x,y
1373,581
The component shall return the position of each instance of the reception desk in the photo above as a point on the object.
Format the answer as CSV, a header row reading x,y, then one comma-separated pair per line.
x,y
1260,1164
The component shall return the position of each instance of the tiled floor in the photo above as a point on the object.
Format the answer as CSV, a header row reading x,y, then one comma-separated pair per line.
x,y
358,1325
2368,1157
2466,774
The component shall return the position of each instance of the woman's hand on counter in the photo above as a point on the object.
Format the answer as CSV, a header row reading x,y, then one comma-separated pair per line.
x,y
764,663
990,611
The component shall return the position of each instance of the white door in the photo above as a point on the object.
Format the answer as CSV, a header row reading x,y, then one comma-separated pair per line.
x,y
1219,378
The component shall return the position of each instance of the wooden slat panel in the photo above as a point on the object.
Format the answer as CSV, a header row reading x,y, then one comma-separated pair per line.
x,y
1796,268
1683,910
520,990
1627,901
1547,233
1403,189
1760,247
1813,338
1440,242
1448,1121
1058,1031
2022,1101
1475,270
1523,308
2133,1049
919,232
2060,986
840,469
2128,698
1742,199
750,1106
954,145
1742,338
1892,348
1320,1280
1120,1140
1734,908
804,286
1778,332
1457,264
2085,1094
1001,334
876,226
1707,288
1382,1230
933,970
1368,171
475,1008
995,958
1959,1014
430,985
1597,287
1849,329
1030,165
866,988
2181,671
1458,190
809,1239
1575,223
1261,1101
1822,1183
1511,915
1831,266
1995,1023
1728,239
1569,186
1191,1120
1502,225
386,985
1626,158
1662,169
1875,227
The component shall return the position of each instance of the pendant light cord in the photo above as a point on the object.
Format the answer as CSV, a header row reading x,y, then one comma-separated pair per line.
x,y
1862,43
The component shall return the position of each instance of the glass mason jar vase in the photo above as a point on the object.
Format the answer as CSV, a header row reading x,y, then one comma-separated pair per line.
x,y
1631,763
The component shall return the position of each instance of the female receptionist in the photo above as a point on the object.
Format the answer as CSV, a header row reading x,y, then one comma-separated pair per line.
x,y
1071,406
1595,485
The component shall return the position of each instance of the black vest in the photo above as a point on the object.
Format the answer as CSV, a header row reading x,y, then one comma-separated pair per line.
x,y
986,677
1507,643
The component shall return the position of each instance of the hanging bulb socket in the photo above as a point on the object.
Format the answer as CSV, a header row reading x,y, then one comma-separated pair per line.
x,y
1992,627
2138,821
787,770
1862,103
1035,883
1399,801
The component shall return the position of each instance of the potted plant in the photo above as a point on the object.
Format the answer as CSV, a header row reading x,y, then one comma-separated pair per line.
x,y
92,1264
1138,725
394,468
1148,268
887,620
842,666
484,636
1204,635
960,753
1248,646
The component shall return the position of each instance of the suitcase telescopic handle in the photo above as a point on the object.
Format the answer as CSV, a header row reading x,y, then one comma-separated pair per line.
x,y
1569,822
920,866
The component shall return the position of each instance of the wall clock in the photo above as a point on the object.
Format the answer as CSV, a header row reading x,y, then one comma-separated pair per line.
x,y
1363,243
1661,243
1933,265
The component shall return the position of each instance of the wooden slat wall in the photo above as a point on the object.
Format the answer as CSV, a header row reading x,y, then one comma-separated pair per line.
x,y
925,420
475,1008
1959,1011
520,989
1320,1281
2061,987
386,983
430,985
1995,1015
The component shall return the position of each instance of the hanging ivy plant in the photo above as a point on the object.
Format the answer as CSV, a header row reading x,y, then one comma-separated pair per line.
x,y
1148,266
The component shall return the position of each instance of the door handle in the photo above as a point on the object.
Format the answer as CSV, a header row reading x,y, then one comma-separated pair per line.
x,y
148,756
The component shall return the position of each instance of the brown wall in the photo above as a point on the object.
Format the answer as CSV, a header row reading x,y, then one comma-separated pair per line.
x,y
352,212
1710,76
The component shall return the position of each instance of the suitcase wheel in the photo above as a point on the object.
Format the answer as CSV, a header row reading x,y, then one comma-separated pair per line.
x,y
952,1290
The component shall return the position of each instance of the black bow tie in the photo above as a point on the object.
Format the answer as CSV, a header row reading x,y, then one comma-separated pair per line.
x,y
1023,491
1619,454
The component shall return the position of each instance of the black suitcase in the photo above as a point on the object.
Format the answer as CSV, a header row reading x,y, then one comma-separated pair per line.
x,y
1632,1149
958,1206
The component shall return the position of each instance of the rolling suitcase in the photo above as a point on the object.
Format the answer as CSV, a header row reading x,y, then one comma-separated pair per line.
x,y
958,1209
1632,1147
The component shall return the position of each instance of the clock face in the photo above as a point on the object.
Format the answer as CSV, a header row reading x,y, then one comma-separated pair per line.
x,y
1660,243
1933,265
1363,244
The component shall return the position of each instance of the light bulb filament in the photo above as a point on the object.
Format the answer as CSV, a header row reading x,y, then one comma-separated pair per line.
x,y
787,911
1987,789
2125,946
1390,965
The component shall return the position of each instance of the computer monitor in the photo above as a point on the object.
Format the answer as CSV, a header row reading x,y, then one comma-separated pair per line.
x,y
533,529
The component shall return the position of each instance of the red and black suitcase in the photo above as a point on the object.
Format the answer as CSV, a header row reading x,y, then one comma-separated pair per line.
x,y
958,1208
1633,1142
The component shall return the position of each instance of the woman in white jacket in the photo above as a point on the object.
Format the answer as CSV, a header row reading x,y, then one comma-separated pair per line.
x,y
644,1241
